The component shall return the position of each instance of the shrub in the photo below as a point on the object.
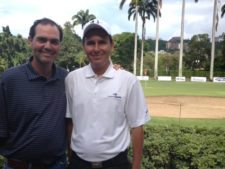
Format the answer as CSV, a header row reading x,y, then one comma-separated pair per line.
x,y
177,147
174,147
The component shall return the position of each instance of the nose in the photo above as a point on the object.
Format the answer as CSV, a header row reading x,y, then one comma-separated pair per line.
x,y
96,47
47,45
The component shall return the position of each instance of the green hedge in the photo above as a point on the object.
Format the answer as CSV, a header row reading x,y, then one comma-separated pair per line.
x,y
183,148
174,147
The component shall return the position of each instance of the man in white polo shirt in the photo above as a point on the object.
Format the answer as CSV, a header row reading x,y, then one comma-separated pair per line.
x,y
107,108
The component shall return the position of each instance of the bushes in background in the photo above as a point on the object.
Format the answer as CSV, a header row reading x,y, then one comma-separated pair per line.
x,y
175,147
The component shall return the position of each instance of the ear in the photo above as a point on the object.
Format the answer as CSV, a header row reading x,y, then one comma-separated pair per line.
x,y
112,45
29,40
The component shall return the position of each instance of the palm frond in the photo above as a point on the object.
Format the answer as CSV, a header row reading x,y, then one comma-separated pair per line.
x,y
222,10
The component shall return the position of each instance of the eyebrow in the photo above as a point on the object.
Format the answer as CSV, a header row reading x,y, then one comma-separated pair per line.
x,y
51,40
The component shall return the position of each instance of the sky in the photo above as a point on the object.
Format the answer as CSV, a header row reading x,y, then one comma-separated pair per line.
x,y
19,15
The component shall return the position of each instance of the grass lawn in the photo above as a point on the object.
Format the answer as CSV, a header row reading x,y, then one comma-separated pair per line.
x,y
157,88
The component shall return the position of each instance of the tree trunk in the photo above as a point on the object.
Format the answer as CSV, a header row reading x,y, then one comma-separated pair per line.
x,y
213,40
142,48
156,44
135,40
181,40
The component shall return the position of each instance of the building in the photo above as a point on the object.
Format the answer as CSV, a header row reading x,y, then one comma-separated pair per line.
x,y
174,44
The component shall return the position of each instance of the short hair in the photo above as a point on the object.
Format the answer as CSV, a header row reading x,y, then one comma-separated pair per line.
x,y
45,21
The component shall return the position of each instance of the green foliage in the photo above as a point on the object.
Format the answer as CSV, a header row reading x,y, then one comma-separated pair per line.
x,y
123,53
177,147
167,62
3,64
13,49
220,59
174,147
146,10
149,61
198,53
70,55
82,17
150,45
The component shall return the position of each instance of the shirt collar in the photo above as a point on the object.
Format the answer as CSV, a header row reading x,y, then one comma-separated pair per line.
x,y
109,73
32,74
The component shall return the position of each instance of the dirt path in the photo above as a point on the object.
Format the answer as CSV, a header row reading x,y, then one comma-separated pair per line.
x,y
187,106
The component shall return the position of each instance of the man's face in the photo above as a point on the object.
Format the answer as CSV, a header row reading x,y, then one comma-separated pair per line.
x,y
98,48
46,43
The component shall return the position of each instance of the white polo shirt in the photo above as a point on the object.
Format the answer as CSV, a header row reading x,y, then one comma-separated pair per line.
x,y
103,109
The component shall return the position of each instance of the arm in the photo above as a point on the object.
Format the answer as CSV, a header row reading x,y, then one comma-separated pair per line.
x,y
137,134
137,116
69,128
3,116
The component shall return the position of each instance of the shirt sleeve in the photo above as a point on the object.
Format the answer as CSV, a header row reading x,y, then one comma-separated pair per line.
x,y
136,109
3,113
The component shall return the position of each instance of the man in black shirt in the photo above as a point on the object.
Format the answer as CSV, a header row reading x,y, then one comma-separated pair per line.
x,y
33,105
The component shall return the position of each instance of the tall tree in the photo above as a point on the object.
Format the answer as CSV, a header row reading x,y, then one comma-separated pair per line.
x,y
182,39
147,8
136,34
82,17
159,6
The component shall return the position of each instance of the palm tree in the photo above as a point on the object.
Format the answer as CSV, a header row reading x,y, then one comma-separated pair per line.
x,y
182,39
136,29
159,5
222,10
82,17
146,9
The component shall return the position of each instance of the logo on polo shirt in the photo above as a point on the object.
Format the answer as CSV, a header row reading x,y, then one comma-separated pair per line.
x,y
115,95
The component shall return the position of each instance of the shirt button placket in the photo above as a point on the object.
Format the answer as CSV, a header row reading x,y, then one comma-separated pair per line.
x,y
95,91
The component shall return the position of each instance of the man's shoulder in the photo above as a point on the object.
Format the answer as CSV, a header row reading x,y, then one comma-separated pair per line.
x,y
126,74
75,76
77,71
126,77
13,72
62,71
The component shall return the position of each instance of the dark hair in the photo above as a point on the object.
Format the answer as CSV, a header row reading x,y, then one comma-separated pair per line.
x,y
45,21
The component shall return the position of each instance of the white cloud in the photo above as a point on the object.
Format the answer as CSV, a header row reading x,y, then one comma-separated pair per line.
x,y
20,15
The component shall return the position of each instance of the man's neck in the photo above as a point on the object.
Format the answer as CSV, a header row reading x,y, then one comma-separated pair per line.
x,y
44,70
100,69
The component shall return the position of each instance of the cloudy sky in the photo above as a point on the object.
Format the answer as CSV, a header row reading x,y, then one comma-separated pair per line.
x,y
20,14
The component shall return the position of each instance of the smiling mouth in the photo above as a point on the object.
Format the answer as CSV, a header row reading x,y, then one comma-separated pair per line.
x,y
47,53
96,56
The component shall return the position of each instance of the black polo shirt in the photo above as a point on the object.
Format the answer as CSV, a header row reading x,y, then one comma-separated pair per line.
x,y
32,114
